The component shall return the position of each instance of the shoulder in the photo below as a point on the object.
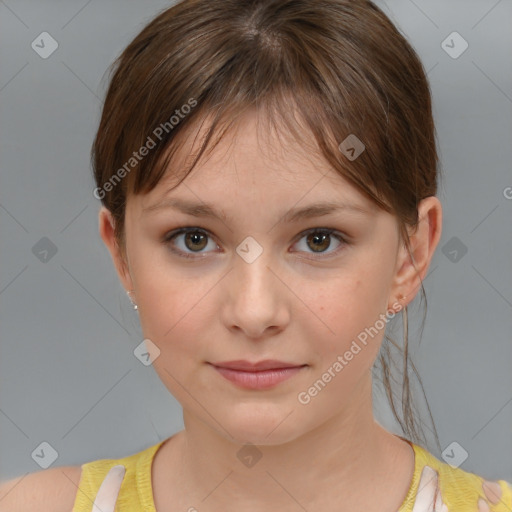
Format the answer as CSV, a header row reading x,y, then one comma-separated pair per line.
x,y
49,490
134,486
66,488
456,488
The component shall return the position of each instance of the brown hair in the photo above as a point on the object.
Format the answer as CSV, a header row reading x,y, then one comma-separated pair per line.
x,y
341,65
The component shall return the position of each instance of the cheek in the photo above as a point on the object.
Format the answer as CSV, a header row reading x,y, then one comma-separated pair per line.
x,y
174,309
170,310
347,320
173,317
346,345
341,307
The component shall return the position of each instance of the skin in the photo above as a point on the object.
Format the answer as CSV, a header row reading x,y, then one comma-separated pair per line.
x,y
291,304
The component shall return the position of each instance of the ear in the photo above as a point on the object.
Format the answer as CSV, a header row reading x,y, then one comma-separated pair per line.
x,y
423,241
106,228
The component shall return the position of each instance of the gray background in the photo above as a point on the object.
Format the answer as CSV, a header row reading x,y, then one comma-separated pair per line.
x,y
68,375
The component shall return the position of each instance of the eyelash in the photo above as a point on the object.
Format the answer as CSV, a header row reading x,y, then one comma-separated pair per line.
x,y
169,237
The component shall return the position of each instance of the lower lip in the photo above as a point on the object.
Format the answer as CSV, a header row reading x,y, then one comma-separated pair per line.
x,y
258,380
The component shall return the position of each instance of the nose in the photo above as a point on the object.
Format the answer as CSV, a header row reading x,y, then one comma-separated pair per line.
x,y
257,300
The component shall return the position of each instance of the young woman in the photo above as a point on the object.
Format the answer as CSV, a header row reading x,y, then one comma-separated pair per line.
x,y
268,178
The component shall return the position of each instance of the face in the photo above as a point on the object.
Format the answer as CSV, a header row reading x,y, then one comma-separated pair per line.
x,y
262,282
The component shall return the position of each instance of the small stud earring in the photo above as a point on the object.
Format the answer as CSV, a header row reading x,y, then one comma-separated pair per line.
x,y
401,298
131,300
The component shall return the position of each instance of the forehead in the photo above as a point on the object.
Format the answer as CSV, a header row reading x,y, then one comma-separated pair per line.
x,y
254,157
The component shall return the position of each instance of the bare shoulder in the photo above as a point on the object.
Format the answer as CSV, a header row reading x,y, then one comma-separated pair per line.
x,y
48,490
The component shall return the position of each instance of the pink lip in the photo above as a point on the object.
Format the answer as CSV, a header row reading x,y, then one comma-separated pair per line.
x,y
267,364
261,375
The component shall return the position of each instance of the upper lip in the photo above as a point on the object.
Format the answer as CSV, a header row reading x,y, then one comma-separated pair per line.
x,y
267,364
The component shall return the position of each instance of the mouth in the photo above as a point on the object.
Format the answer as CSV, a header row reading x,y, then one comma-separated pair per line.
x,y
260,375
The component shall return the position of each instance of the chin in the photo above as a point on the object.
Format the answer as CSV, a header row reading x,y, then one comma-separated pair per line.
x,y
264,429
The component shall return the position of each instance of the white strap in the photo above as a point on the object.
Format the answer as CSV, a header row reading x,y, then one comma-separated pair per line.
x,y
106,498
428,497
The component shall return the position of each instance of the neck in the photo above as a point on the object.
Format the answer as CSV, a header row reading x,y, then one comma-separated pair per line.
x,y
335,463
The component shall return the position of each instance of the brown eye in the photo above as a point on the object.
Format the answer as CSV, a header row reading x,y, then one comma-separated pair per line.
x,y
195,240
187,241
191,242
319,241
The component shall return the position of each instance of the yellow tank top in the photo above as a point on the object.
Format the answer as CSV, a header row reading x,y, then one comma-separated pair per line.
x,y
455,489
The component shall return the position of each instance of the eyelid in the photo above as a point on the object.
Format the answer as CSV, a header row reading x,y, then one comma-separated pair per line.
x,y
327,231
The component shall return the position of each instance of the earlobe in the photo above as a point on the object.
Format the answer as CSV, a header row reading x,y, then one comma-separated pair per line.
x,y
412,267
107,232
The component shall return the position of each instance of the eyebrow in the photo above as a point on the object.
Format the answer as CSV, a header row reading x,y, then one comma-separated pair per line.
x,y
205,210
